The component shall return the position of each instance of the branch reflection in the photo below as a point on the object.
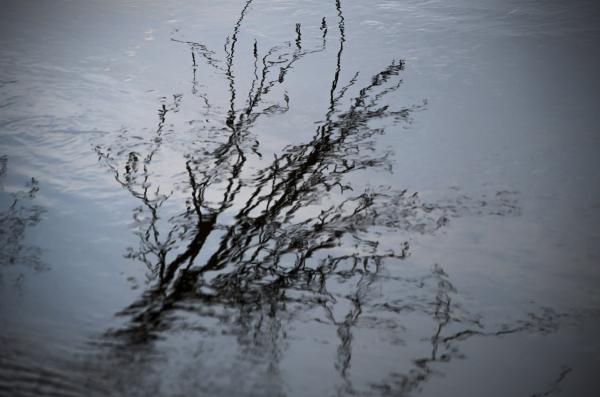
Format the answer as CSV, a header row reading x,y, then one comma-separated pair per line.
x,y
251,247
16,216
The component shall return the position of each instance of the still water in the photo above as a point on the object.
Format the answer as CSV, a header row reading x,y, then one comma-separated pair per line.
x,y
299,198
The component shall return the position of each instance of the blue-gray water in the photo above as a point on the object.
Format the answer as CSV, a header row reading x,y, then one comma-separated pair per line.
x,y
299,198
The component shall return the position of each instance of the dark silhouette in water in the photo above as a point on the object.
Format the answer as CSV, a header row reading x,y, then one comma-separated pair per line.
x,y
267,228
252,248
20,214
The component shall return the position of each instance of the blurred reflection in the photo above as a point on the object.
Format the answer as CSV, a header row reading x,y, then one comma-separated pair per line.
x,y
555,385
273,243
16,217
445,340
251,247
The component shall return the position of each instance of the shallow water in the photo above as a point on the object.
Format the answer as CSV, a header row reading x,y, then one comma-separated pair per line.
x,y
299,198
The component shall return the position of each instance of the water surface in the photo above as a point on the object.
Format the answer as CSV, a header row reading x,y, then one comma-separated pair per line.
x,y
299,198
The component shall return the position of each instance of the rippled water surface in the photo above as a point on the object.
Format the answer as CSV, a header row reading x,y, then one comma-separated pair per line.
x,y
299,198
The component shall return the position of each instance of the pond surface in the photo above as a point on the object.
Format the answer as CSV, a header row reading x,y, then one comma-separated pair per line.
x,y
299,198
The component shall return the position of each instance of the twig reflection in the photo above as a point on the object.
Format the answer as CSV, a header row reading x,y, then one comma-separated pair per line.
x,y
251,247
20,214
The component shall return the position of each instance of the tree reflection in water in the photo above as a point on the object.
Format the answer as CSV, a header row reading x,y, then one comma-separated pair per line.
x,y
251,249
19,214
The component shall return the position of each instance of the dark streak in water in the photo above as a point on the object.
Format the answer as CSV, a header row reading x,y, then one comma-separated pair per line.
x,y
555,387
298,37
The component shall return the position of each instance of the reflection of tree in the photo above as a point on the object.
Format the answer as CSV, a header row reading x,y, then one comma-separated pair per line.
x,y
555,385
19,215
271,245
445,342
252,247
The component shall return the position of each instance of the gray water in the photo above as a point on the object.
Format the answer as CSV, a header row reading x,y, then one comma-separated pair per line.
x,y
299,198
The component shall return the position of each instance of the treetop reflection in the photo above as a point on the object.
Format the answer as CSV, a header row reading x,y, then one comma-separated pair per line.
x,y
250,248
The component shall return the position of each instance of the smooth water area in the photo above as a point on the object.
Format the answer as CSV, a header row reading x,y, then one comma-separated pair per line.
x,y
299,198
